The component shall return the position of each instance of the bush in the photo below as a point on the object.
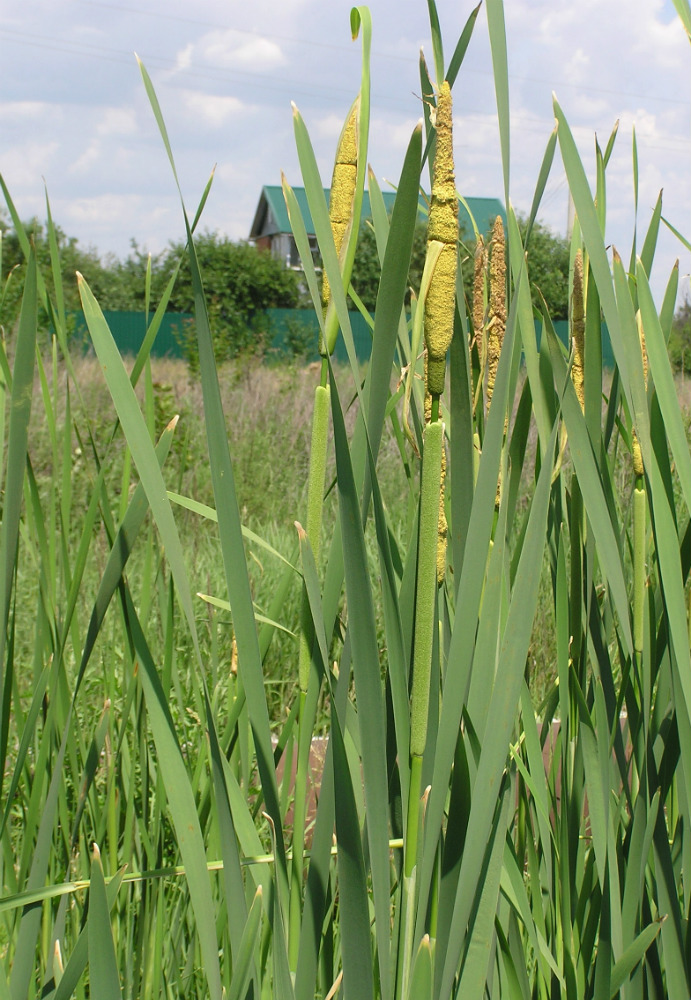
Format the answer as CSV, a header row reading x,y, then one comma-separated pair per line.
x,y
679,344
241,283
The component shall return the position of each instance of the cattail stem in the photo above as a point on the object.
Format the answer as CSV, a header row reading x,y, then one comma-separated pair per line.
x,y
578,329
424,624
305,726
413,819
638,563
577,547
639,517
315,505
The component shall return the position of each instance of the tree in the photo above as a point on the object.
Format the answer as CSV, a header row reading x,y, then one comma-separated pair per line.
x,y
548,266
679,345
367,269
73,258
241,283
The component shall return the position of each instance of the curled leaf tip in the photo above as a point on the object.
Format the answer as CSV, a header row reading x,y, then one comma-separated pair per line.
x,y
302,534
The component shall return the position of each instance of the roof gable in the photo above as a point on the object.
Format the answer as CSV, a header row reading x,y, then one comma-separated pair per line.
x,y
271,216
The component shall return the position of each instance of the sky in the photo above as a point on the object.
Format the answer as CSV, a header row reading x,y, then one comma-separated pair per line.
x,y
75,119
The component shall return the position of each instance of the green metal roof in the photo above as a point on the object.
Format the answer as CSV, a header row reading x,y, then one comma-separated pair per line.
x,y
271,216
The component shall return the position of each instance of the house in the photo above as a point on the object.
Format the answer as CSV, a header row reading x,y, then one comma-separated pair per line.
x,y
271,228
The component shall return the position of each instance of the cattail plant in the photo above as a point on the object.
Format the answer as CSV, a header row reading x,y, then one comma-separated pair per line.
x,y
479,313
578,328
341,210
639,518
443,527
577,521
341,205
496,321
438,332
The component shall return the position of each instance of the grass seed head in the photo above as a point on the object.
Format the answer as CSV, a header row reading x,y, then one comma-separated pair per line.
x,y
442,227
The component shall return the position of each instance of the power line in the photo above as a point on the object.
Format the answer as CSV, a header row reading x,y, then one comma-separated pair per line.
x,y
218,25
520,121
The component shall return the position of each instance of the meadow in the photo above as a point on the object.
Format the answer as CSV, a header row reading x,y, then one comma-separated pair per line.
x,y
423,561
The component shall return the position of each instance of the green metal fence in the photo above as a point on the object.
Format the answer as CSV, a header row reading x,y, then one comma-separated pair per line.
x,y
129,329
290,333
296,332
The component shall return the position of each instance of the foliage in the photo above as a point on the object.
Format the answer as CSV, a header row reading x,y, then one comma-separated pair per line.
x,y
240,284
679,344
548,262
367,266
73,258
299,339
548,257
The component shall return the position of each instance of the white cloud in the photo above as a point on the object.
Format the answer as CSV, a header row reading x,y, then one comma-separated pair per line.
x,y
111,123
117,121
28,162
18,111
232,49
212,109
87,159
183,60
141,218
328,127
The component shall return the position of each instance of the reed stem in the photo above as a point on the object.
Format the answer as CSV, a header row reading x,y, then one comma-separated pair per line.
x,y
424,623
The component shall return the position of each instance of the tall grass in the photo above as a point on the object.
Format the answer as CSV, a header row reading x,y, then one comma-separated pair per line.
x,y
152,844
